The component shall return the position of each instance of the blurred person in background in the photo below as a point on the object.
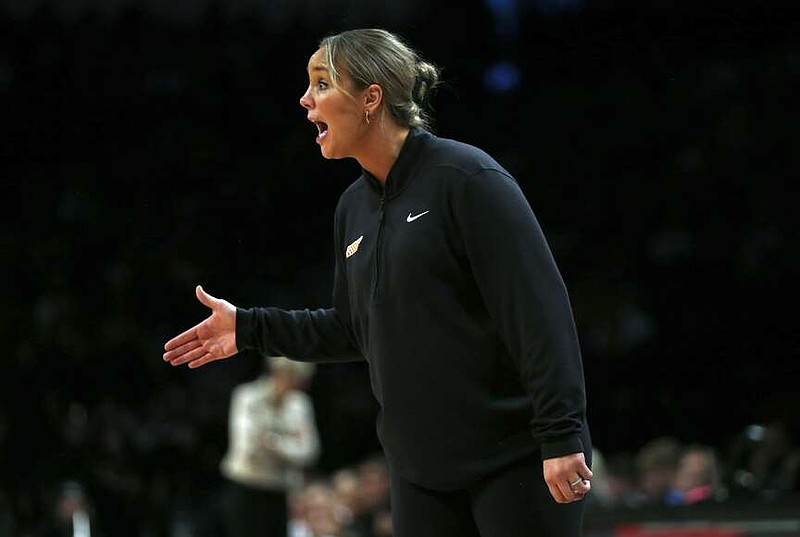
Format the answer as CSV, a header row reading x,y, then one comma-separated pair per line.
x,y
764,460
656,468
319,513
697,479
374,479
363,492
273,439
72,514
115,476
446,285
347,488
621,477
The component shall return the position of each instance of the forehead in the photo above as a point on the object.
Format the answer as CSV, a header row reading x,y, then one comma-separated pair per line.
x,y
318,63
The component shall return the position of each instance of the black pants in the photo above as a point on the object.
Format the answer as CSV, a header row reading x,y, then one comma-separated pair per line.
x,y
251,512
514,502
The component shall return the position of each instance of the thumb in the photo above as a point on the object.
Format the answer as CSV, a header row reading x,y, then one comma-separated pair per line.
x,y
587,473
205,298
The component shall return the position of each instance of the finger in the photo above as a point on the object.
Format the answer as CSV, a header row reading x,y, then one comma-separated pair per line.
x,y
561,493
182,349
580,493
188,356
581,489
203,360
556,493
181,339
567,492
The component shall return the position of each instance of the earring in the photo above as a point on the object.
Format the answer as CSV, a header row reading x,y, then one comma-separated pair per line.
x,y
366,116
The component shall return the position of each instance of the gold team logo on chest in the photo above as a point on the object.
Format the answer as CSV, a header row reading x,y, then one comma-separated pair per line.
x,y
353,247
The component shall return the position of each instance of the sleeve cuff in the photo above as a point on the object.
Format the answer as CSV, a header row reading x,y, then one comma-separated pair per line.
x,y
244,329
563,447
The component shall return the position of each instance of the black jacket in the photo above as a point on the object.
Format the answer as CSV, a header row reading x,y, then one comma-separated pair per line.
x,y
445,283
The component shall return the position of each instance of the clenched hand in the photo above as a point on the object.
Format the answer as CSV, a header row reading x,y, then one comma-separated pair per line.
x,y
567,477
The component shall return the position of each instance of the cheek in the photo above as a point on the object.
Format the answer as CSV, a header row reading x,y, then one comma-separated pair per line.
x,y
338,110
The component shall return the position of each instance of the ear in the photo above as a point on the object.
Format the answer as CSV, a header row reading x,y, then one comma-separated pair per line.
x,y
373,95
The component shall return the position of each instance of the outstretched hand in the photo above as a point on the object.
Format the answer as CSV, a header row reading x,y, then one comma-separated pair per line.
x,y
213,339
568,477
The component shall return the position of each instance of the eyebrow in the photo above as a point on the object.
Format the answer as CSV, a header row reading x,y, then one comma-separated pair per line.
x,y
318,68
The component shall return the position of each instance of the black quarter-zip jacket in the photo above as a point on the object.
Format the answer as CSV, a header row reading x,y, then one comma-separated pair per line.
x,y
445,284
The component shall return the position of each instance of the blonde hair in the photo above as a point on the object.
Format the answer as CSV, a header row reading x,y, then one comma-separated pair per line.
x,y
300,370
376,56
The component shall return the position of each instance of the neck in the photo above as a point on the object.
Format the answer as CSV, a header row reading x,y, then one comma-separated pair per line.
x,y
382,148
279,389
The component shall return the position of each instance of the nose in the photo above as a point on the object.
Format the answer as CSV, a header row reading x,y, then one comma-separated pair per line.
x,y
305,100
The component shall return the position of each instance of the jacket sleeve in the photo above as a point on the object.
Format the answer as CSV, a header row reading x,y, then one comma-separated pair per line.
x,y
320,335
525,295
305,335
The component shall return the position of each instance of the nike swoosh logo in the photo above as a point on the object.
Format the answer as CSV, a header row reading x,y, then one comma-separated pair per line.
x,y
410,218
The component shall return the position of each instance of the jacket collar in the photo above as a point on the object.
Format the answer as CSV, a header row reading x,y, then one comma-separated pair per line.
x,y
401,172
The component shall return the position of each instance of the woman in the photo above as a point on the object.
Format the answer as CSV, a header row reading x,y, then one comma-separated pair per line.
x,y
272,440
445,284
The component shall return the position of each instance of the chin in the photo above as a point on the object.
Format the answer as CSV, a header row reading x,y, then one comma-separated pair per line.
x,y
330,155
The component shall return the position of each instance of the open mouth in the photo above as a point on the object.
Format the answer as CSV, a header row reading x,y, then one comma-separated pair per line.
x,y
322,128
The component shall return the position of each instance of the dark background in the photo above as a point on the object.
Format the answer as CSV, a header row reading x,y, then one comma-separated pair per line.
x,y
149,148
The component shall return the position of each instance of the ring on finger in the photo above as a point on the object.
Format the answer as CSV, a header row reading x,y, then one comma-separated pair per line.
x,y
576,482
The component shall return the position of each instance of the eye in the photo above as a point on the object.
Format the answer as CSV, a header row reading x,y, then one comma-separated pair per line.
x,y
321,85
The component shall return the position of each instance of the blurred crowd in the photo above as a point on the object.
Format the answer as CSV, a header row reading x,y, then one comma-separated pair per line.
x,y
761,463
124,478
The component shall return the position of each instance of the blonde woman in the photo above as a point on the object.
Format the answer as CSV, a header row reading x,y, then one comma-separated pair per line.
x,y
445,284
